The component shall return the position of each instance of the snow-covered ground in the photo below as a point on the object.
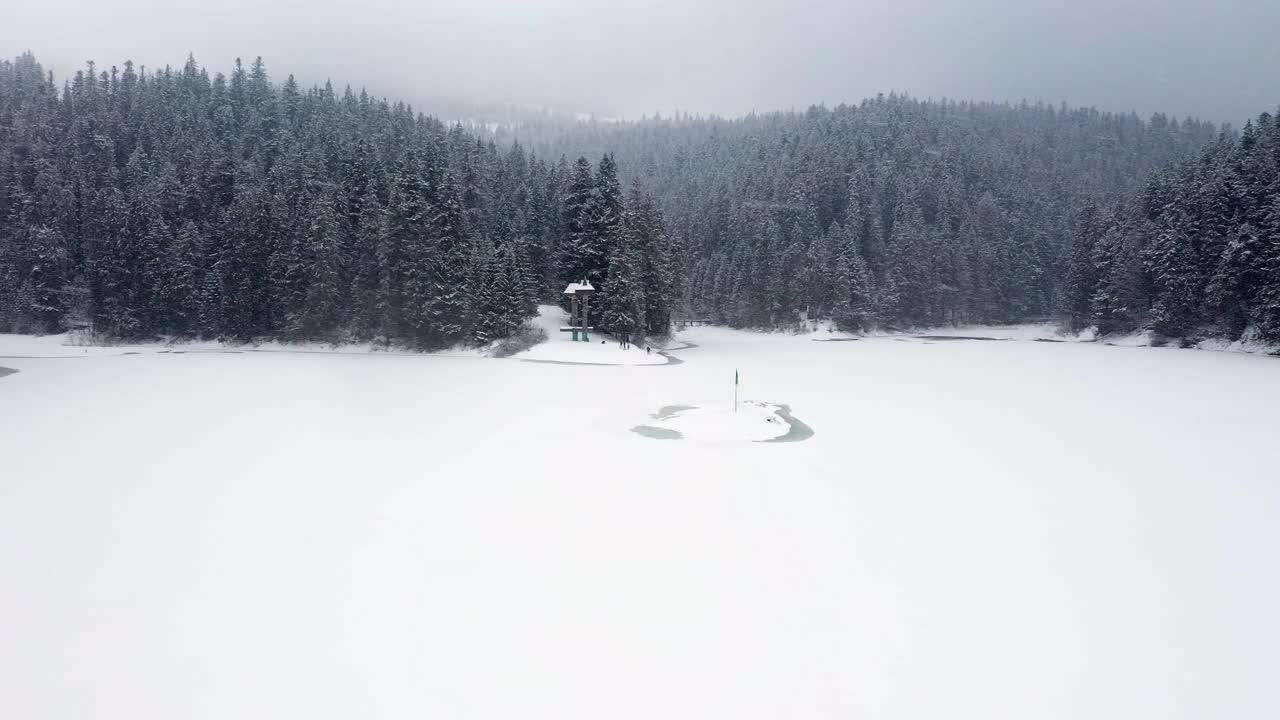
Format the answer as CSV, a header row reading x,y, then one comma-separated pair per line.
x,y
975,530
599,350
53,346
750,421
1248,343
72,345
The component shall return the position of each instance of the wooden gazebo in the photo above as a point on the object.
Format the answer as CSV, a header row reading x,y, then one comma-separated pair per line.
x,y
579,302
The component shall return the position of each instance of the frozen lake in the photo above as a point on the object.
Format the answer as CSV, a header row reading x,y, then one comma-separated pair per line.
x,y
975,530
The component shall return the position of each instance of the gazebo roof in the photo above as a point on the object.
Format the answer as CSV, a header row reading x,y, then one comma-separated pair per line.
x,y
575,288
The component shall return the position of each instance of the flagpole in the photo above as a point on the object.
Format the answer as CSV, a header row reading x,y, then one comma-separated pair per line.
x,y
735,389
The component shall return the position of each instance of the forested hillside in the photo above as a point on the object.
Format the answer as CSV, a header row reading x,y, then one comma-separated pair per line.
x,y
176,203
1196,254
892,212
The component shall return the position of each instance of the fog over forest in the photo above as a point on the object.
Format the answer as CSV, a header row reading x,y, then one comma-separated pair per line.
x,y
712,56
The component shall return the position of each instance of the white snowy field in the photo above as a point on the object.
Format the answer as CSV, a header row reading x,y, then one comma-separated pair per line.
x,y
975,530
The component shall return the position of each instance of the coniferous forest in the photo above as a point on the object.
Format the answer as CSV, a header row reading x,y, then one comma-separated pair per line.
x,y
1195,254
182,202
895,212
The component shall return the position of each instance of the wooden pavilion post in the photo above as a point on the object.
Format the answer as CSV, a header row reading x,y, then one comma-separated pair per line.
x,y
573,313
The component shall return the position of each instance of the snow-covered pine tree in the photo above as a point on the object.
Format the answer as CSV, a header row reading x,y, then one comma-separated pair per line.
x,y
1117,301
605,218
484,270
40,274
321,310
1267,313
514,299
367,268
182,279
447,293
1177,290
659,250
624,294
1237,281
910,272
820,273
1081,280
851,287
577,250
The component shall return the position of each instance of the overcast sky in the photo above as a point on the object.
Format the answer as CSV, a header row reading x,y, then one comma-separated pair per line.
x,y
1217,60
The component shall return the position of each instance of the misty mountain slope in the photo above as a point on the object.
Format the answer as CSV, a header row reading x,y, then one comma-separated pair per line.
x,y
957,211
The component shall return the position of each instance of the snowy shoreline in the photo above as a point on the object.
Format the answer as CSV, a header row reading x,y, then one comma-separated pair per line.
x,y
558,347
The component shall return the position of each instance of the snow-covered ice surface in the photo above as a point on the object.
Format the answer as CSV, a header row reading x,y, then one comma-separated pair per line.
x,y
751,421
977,530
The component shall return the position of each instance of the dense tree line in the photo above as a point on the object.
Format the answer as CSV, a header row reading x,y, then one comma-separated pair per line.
x,y
179,203
1195,254
892,212
176,203
620,246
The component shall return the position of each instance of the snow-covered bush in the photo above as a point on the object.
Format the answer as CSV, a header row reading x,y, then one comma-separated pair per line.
x,y
526,337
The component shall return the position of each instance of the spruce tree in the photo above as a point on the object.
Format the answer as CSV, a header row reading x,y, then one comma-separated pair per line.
x,y
1116,300
511,295
1178,292
1082,271
624,295
851,286
183,277
578,249
321,309
605,219
1236,282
